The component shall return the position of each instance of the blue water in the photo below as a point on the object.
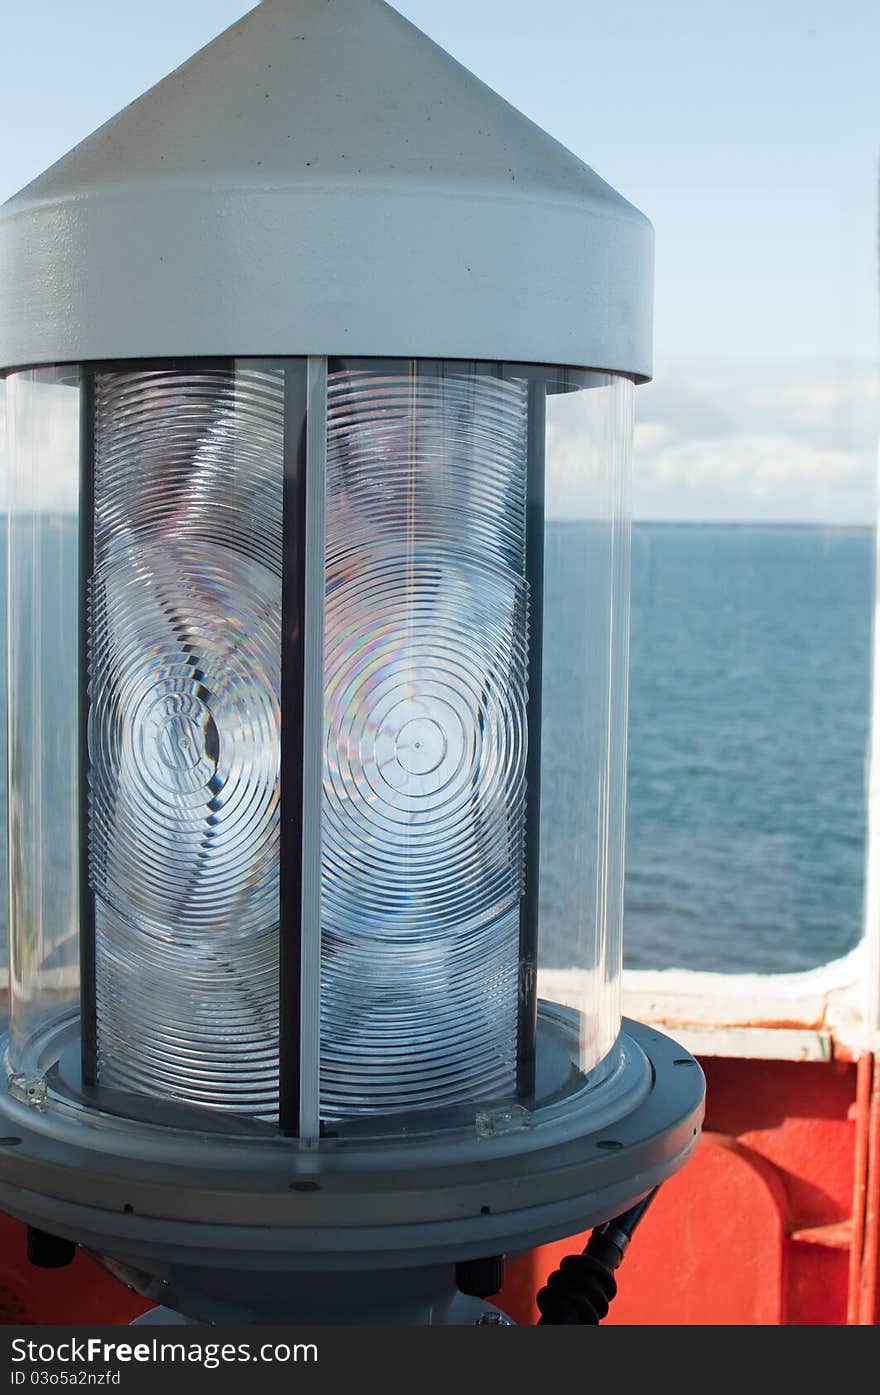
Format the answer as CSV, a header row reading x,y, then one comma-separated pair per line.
x,y
748,730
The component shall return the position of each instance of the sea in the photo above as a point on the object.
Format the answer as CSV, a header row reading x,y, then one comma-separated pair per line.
x,y
749,715
749,711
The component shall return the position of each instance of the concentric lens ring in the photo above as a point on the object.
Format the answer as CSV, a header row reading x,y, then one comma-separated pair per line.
x,y
425,729
420,852
184,734
184,744
192,455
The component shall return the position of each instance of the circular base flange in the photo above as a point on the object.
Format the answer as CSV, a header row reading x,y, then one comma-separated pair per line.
x,y
171,1206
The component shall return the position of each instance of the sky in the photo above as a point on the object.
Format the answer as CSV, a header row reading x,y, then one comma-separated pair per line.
x,y
749,133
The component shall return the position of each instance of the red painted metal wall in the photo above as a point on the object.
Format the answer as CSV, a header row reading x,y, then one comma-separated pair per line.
x,y
83,1292
774,1222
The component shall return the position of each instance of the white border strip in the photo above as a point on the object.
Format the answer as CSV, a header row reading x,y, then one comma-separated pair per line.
x,y
811,1015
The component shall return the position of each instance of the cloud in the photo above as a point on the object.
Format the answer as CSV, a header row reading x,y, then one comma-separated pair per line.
x,y
715,440
47,416
732,440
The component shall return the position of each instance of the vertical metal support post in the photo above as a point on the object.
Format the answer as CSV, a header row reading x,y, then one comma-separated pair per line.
x,y
527,1017
302,745
88,987
313,753
293,563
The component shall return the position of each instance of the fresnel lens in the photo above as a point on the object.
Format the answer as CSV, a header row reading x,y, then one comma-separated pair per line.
x,y
319,404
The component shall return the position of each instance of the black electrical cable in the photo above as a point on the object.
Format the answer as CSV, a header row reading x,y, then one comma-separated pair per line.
x,y
580,1291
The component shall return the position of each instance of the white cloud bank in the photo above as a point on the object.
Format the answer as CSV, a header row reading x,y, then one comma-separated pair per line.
x,y
48,415
715,440
730,440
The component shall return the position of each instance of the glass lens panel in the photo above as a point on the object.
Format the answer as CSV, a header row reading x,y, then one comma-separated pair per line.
x,y
585,665
185,645
461,594
425,693
43,669
4,866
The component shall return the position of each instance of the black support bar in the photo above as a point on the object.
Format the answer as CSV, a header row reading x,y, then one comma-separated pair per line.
x,y
88,984
293,594
527,1024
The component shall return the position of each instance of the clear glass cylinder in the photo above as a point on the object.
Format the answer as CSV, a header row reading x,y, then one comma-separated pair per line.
x,y
184,660
375,942
589,431
42,493
425,659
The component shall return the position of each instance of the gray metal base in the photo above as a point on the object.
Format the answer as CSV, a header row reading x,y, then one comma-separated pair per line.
x,y
410,1298
260,1228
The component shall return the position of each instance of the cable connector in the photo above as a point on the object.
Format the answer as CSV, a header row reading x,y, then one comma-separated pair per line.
x,y
581,1290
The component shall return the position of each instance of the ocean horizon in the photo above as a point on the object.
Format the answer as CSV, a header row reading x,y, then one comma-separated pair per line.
x,y
749,716
749,721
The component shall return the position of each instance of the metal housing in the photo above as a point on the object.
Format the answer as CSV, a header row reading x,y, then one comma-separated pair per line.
x,y
181,1215
323,179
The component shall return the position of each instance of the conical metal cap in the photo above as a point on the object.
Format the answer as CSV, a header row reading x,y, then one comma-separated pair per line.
x,y
322,178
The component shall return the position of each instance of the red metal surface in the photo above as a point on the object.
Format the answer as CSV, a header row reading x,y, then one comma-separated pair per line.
x,y
869,1280
860,1184
672,1273
81,1293
775,1221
